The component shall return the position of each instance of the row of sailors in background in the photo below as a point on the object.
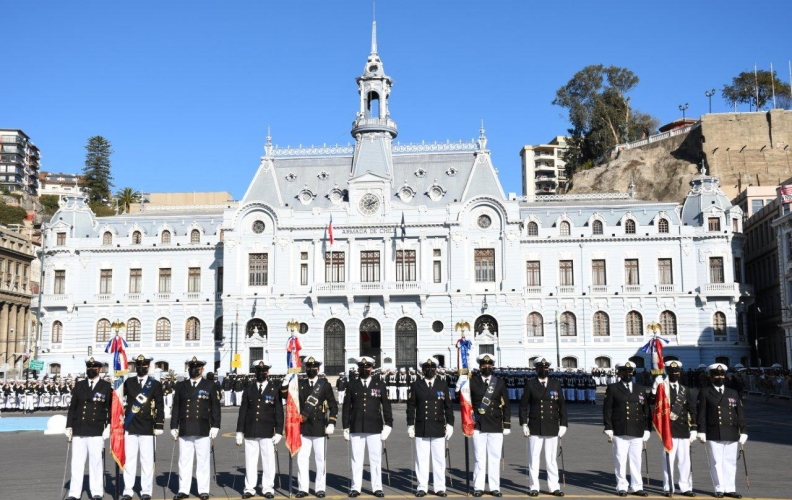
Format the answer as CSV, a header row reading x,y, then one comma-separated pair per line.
x,y
31,396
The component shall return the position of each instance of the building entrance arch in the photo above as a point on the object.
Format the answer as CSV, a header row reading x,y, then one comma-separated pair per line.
x,y
371,340
406,343
334,346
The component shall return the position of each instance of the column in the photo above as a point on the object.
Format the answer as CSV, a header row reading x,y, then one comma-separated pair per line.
x,y
388,261
352,273
21,331
11,319
318,266
4,332
423,259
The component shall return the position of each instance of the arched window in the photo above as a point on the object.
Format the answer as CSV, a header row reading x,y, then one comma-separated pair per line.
x,y
668,323
535,325
719,324
161,365
662,226
569,362
107,238
533,229
137,238
256,328
603,362
566,229
629,226
192,330
133,330
56,337
596,227
601,324
103,330
634,323
54,368
195,236
163,330
165,237
218,329
567,324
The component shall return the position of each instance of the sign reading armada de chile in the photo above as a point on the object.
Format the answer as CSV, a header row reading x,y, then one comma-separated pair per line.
x,y
367,230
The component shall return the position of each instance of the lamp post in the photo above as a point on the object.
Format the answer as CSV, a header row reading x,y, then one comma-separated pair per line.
x,y
682,108
709,94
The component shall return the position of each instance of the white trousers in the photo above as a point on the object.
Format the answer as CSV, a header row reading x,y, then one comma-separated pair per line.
x,y
90,448
238,398
680,452
194,447
254,448
535,446
723,465
392,393
226,398
403,393
627,451
358,443
341,397
30,402
487,447
145,446
316,444
168,400
430,450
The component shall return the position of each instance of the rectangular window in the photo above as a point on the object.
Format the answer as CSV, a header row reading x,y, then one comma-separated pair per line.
x,y
369,266
335,267
533,273
735,226
713,223
194,280
303,274
631,272
566,273
598,275
756,205
60,283
60,239
257,269
219,282
665,275
484,264
106,281
303,255
436,252
405,265
437,271
164,280
135,280
716,269
738,270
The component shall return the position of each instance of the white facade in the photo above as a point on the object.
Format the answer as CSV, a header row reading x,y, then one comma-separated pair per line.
x,y
424,239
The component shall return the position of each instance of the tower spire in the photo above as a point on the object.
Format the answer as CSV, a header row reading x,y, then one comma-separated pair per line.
x,y
373,28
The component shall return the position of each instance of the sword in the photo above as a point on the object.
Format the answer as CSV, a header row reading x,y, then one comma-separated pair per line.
x,y
170,474
214,462
65,466
277,468
448,465
387,465
670,474
745,464
412,465
503,457
236,460
646,462
563,467
467,466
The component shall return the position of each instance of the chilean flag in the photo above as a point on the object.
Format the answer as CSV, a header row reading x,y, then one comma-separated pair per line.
x,y
330,230
661,417
466,407
117,346
292,424
117,417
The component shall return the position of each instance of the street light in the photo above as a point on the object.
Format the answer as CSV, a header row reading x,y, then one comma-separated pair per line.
x,y
682,109
709,94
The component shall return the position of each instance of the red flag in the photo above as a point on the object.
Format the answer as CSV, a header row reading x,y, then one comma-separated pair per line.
x,y
466,407
330,230
292,425
661,417
117,447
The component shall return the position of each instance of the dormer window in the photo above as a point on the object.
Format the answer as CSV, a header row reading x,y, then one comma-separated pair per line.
x,y
420,172
452,171
291,176
165,238
406,193
629,226
662,226
335,196
107,238
435,192
306,196
323,176
137,238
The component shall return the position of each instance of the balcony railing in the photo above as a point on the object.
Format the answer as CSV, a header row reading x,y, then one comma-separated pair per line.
x,y
666,288
532,290
193,295
598,289
391,288
134,297
565,290
163,296
103,297
725,289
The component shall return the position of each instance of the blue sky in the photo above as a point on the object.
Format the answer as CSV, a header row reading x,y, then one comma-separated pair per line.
x,y
185,90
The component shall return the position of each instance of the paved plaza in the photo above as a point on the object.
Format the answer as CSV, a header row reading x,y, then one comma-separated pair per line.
x,y
33,464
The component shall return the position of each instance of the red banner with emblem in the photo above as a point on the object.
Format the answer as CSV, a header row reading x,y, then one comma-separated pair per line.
x,y
466,407
291,428
661,417
117,417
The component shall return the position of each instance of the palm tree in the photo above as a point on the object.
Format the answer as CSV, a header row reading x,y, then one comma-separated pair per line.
x,y
126,197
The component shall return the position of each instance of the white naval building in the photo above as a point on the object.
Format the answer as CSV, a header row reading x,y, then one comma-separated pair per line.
x,y
424,240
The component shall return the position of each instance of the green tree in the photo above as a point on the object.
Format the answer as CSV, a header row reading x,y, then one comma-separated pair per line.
x,y
11,215
747,85
126,197
49,204
100,209
600,113
97,178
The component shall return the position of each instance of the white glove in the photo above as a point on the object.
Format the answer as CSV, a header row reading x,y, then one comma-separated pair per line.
x,y
646,436
276,439
157,432
693,436
213,432
386,430
239,438
410,431
346,434
175,434
69,433
526,430
743,438
702,437
106,432
610,435
330,429
449,431
286,380
506,432
561,431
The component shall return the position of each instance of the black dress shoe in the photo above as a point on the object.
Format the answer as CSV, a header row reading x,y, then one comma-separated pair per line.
x,y
269,494
732,495
72,498
477,493
354,494
533,493
95,497
301,494
247,495
496,493
718,494
379,494
688,494
441,493
145,497
640,493
320,494
558,493
420,493
666,494
126,497
621,493
179,496
203,496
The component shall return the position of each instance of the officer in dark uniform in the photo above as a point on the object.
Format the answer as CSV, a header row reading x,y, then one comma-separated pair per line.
x,y
228,384
490,401
627,418
543,417
318,413
260,427
195,422
145,418
430,421
341,386
87,427
721,425
367,420
239,388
